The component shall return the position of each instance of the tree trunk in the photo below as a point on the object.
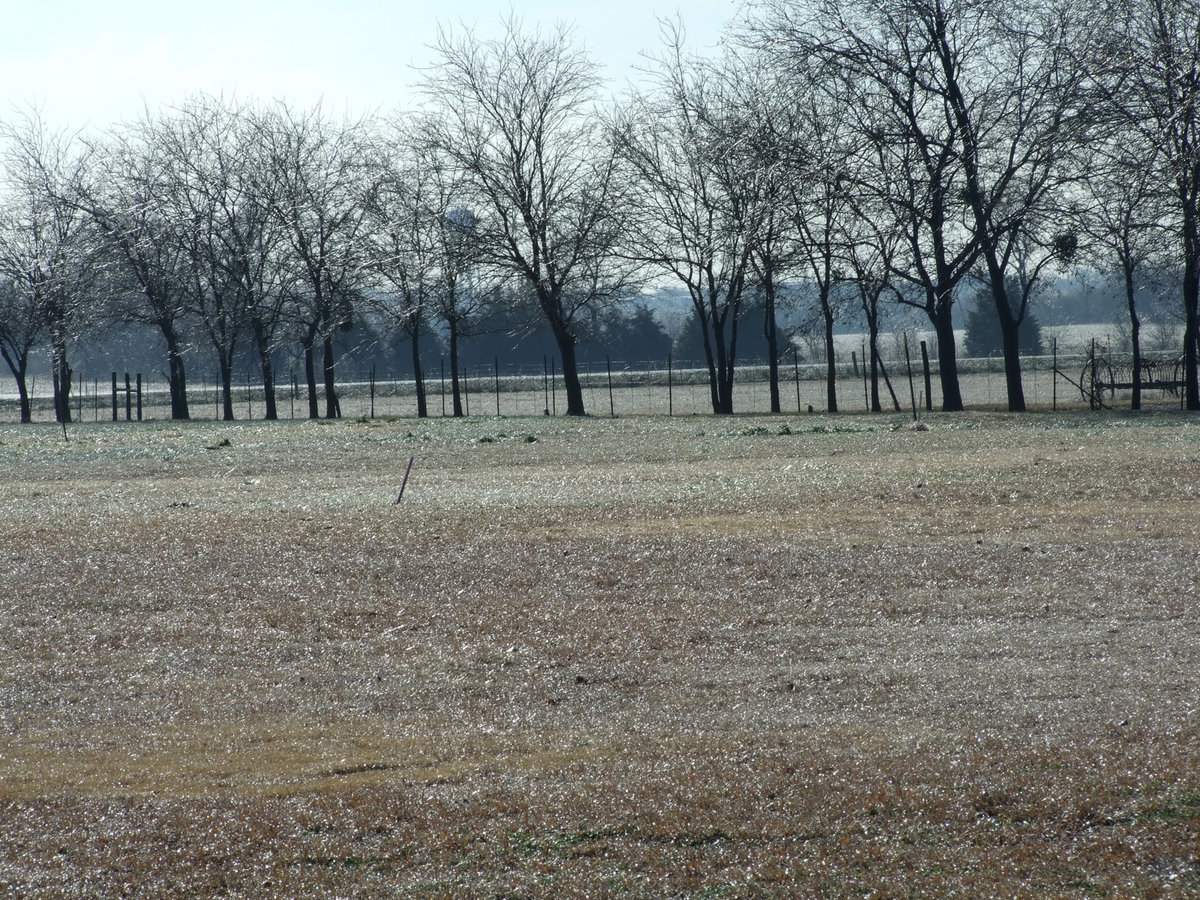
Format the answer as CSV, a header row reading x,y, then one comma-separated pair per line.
x,y
455,387
23,394
1190,358
830,359
772,336
706,334
333,405
225,363
565,339
176,373
888,382
1135,336
943,326
18,364
310,376
571,383
724,386
1010,337
729,369
418,374
1191,305
62,376
570,368
267,368
873,350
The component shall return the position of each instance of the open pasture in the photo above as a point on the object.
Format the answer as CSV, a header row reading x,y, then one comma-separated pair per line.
x,y
634,657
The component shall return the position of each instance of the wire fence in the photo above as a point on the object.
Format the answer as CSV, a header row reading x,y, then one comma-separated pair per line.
x,y
616,389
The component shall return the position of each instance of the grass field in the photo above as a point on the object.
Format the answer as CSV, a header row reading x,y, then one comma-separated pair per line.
x,y
635,657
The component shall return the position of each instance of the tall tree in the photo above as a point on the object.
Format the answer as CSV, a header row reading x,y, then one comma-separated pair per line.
x,y
408,213
1011,75
518,118
129,204
820,203
1119,218
870,248
324,175
974,108
1150,73
464,291
427,247
698,201
772,146
23,321
181,138
48,251
222,186
873,64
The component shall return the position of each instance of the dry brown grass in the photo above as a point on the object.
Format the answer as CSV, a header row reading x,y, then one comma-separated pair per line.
x,y
754,657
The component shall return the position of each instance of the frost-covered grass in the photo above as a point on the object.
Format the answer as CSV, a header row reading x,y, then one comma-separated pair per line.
x,y
647,657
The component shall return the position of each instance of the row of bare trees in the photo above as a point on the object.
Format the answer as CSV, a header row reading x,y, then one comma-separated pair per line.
x,y
230,224
853,154
986,142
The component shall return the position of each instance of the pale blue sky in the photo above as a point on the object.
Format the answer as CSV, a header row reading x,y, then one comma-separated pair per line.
x,y
92,62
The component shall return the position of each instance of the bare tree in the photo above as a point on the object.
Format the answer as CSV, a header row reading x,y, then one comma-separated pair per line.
x,y
820,203
405,232
48,252
874,65
464,292
465,288
222,190
324,176
1118,218
768,144
1150,73
699,199
973,108
128,201
23,321
1011,75
426,247
517,118
870,248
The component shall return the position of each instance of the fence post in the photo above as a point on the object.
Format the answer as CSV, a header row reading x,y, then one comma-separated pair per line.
x,y
866,376
139,396
128,400
796,372
1092,369
612,410
912,390
114,396
1054,376
670,387
496,370
928,386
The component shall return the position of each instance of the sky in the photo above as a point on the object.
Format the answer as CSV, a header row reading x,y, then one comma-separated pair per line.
x,y
91,63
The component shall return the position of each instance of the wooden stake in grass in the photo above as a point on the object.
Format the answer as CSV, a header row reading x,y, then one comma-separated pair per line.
x,y
404,483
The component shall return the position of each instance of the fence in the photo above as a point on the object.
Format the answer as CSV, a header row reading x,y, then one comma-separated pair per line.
x,y
617,389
